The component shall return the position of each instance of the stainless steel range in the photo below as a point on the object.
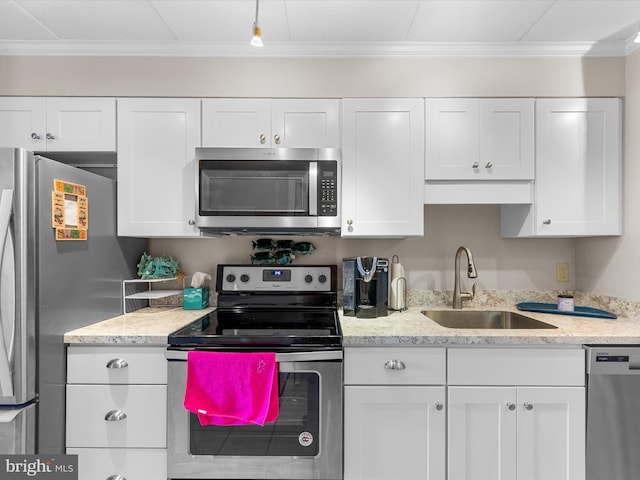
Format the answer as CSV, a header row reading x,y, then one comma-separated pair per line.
x,y
292,311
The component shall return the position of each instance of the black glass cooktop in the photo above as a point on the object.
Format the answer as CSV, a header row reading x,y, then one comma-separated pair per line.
x,y
262,328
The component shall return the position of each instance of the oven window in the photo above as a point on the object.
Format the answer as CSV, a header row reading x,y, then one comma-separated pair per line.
x,y
295,432
263,187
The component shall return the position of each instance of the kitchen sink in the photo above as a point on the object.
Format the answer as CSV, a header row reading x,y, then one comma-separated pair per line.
x,y
486,319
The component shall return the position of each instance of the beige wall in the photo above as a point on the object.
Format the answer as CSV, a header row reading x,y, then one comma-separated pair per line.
x,y
610,266
502,264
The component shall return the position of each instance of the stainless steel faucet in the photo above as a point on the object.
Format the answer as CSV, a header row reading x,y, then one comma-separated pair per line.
x,y
459,296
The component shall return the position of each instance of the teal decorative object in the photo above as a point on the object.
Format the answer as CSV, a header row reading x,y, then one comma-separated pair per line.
x,y
157,267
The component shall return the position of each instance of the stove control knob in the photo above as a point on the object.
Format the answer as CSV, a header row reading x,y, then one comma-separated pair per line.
x,y
231,278
244,278
322,278
308,278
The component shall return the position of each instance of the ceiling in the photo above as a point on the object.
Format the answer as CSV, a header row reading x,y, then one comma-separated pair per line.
x,y
319,27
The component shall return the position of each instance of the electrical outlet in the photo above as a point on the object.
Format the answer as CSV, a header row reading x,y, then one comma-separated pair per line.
x,y
562,272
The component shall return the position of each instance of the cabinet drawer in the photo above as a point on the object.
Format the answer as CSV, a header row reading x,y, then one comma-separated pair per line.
x,y
130,463
516,366
146,365
413,366
145,407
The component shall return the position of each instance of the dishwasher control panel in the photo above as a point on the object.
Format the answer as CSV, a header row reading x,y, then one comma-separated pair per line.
x,y
613,360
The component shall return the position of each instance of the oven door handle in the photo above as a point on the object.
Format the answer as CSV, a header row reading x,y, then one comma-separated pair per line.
x,y
320,355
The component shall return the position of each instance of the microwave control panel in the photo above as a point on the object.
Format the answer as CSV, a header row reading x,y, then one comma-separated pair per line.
x,y
327,189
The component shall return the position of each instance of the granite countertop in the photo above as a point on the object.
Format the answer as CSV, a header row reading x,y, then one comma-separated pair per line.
x,y
151,326
411,327
147,326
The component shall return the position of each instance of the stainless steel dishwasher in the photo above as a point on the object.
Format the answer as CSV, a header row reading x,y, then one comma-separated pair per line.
x,y
613,412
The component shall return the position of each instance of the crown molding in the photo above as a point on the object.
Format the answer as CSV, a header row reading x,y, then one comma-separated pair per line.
x,y
329,50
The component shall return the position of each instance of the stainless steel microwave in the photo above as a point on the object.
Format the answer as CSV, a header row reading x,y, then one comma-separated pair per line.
x,y
268,190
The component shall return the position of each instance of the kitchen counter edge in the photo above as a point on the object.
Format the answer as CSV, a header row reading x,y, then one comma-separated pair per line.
x,y
151,326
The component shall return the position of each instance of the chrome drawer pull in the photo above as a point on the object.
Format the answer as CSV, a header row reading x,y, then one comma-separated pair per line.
x,y
395,365
115,416
35,136
439,406
511,406
528,406
117,363
116,477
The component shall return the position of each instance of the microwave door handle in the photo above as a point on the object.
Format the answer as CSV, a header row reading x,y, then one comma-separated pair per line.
x,y
313,188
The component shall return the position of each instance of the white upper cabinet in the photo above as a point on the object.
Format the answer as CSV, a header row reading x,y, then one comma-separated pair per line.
x,y
60,124
383,167
231,122
578,171
479,150
157,138
480,139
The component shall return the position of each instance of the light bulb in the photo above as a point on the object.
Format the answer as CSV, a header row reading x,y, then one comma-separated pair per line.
x,y
256,40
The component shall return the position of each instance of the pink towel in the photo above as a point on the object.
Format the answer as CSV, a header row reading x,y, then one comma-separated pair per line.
x,y
228,388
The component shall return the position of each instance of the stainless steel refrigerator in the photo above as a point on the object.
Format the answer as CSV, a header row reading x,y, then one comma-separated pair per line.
x,y
48,287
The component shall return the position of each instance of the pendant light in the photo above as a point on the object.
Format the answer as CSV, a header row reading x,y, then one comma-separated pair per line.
x,y
256,40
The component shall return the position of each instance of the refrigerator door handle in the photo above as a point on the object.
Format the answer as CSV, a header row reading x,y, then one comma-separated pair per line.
x,y
6,382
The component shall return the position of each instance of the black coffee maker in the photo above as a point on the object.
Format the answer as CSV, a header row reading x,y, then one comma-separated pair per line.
x,y
365,292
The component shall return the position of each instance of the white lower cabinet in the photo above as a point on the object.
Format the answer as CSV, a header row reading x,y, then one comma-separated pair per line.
x,y
534,430
116,411
464,413
139,464
395,418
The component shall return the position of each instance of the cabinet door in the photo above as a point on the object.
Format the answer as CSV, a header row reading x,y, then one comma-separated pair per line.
x,y
394,433
452,139
157,138
116,416
22,123
578,167
578,189
551,433
482,433
81,124
383,167
305,123
121,463
506,139
236,122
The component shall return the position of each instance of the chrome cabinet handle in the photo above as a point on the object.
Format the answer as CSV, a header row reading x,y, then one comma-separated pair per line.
x,y
528,406
511,406
439,406
35,136
349,222
115,416
475,165
117,363
263,138
49,136
116,477
276,138
192,222
489,165
547,221
395,365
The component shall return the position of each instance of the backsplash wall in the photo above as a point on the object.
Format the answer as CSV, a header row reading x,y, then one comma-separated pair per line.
x,y
503,264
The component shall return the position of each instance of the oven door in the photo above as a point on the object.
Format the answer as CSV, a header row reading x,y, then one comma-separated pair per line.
x,y
305,442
